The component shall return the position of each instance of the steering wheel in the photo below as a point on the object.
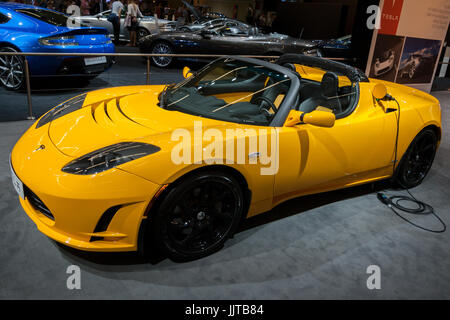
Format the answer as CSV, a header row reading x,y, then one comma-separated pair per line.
x,y
264,109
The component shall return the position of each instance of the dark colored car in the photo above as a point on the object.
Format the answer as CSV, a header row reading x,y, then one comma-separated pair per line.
x,y
223,40
335,48
214,23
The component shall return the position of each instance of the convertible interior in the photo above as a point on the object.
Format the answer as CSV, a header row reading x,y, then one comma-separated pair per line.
x,y
242,93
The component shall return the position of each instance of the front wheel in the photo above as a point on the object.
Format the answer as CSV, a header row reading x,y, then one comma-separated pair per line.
x,y
417,160
12,70
198,215
162,48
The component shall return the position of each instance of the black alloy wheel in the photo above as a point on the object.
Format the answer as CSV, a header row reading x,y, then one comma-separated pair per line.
x,y
418,159
198,215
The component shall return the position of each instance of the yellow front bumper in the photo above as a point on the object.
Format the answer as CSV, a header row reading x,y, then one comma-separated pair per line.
x,y
78,202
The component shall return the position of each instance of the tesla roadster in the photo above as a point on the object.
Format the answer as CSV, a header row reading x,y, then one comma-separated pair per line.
x,y
386,64
180,166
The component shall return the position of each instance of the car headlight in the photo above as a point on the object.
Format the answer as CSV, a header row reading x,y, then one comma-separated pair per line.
x,y
59,41
62,109
109,157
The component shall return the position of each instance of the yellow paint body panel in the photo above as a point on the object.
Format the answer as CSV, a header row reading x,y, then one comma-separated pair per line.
x,y
358,149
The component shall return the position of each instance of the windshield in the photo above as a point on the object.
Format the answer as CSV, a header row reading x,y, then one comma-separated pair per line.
x,y
51,17
234,31
230,90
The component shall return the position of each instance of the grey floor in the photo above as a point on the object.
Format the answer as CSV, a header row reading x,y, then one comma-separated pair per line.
x,y
316,247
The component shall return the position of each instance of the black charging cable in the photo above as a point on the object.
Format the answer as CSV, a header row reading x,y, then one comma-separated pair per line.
x,y
395,202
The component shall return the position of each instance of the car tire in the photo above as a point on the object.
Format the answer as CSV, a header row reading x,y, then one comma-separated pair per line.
x,y
417,160
12,70
162,47
197,216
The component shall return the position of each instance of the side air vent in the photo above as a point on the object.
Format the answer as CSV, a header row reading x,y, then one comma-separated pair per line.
x,y
104,221
37,203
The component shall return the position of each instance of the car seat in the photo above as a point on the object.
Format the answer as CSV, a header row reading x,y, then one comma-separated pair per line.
x,y
328,96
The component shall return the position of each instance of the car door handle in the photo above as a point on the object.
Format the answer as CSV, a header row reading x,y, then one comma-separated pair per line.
x,y
389,110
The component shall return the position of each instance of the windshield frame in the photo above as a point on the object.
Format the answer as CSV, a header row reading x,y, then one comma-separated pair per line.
x,y
287,104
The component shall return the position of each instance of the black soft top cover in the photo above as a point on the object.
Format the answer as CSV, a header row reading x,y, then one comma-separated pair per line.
x,y
354,74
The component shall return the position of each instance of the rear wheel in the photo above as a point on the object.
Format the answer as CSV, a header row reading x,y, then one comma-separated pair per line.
x,y
162,48
197,216
418,159
12,70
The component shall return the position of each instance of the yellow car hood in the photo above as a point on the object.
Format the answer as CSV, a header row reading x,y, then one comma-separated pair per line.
x,y
114,115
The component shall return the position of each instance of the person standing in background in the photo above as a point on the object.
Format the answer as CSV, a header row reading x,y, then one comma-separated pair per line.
x,y
276,24
159,10
95,7
84,6
262,20
114,18
250,15
185,15
51,5
133,14
145,8
235,11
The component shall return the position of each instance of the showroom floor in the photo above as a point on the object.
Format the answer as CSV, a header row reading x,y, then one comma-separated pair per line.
x,y
313,248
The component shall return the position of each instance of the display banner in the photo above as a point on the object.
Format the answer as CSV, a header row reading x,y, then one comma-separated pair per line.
x,y
407,45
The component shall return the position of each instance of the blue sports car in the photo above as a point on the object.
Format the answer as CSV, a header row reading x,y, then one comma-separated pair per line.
x,y
26,28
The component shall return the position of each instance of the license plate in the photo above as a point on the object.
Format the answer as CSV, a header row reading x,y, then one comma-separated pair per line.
x,y
18,185
95,60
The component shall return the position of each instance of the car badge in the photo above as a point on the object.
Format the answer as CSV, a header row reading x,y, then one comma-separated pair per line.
x,y
41,147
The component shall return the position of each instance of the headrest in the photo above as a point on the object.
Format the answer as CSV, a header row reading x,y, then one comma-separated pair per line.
x,y
292,67
330,85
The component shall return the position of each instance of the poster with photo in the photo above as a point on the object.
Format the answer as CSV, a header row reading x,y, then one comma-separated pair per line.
x,y
386,57
418,60
406,47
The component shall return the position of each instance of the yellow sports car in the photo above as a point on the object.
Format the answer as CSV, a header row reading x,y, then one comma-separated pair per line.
x,y
180,166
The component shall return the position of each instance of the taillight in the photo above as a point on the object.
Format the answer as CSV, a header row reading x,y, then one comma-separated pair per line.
x,y
58,41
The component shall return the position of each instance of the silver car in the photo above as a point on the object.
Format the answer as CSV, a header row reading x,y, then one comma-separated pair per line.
x,y
202,24
147,24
